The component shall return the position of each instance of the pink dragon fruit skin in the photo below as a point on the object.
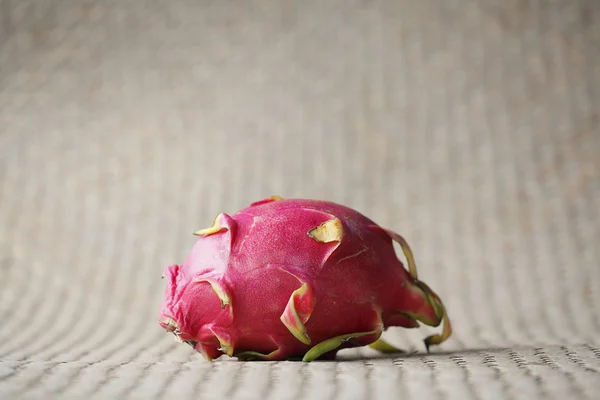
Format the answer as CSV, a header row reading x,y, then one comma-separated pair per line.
x,y
295,278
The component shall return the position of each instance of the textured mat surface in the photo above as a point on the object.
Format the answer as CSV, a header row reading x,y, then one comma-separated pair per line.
x,y
472,127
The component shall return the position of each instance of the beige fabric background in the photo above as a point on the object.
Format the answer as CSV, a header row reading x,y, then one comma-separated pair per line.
x,y
470,126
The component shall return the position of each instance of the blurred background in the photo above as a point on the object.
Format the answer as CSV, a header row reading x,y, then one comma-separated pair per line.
x,y
472,127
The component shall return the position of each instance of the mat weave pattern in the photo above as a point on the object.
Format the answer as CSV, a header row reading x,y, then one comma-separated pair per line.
x,y
472,127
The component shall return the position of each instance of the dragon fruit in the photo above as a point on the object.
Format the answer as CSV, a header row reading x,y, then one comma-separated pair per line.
x,y
295,279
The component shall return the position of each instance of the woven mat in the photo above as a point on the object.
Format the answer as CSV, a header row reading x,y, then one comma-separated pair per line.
x,y
472,127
